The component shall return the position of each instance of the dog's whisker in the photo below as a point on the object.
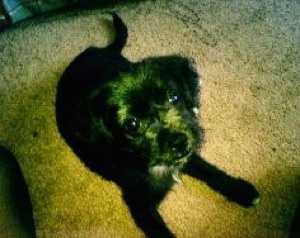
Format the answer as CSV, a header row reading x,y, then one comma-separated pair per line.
x,y
176,176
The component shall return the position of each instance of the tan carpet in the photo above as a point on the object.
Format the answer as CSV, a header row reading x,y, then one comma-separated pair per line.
x,y
248,55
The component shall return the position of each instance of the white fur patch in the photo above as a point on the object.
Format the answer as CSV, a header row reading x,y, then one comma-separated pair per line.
x,y
176,176
159,170
163,171
199,82
196,111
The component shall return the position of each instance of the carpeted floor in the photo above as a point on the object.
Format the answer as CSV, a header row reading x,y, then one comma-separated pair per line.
x,y
248,56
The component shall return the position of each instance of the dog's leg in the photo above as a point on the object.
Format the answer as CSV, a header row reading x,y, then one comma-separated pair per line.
x,y
146,215
235,189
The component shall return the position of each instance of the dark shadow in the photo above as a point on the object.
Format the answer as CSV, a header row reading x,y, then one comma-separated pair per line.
x,y
295,228
16,193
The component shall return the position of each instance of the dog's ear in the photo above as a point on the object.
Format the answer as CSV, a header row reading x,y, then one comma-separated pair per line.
x,y
181,73
80,93
89,126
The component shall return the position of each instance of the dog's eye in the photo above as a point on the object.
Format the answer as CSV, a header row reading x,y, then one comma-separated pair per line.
x,y
131,125
174,97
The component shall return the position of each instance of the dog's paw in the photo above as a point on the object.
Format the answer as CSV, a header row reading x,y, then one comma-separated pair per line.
x,y
159,234
243,193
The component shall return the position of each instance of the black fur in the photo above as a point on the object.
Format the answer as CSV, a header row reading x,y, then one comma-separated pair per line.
x,y
144,150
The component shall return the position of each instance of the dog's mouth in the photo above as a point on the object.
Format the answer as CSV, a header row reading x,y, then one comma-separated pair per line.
x,y
171,162
175,158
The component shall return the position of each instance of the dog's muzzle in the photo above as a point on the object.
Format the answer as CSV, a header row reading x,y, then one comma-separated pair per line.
x,y
175,143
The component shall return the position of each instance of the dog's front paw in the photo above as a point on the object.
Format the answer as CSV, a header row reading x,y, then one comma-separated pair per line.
x,y
243,193
160,234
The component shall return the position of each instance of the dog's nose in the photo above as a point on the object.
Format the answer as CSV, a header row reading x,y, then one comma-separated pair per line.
x,y
173,141
177,141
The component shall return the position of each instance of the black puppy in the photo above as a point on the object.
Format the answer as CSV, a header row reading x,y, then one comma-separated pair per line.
x,y
136,124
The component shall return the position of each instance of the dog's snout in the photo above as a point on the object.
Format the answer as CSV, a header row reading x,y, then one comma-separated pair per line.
x,y
173,141
177,141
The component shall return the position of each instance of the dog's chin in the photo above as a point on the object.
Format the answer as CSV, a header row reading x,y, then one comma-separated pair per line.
x,y
170,169
164,172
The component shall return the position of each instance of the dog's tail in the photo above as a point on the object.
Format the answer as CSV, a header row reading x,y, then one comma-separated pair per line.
x,y
121,34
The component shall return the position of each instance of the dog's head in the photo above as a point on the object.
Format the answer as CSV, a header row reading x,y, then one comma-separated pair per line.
x,y
153,111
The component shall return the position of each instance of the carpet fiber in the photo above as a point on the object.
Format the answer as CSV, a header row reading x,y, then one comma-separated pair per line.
x,y
248,55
